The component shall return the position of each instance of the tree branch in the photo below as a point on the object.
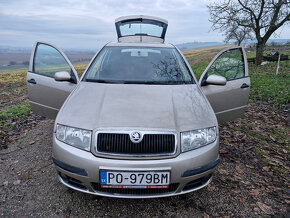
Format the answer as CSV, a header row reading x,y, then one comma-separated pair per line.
x,y
248,9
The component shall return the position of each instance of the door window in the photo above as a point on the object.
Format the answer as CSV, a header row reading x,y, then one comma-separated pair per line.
x,y
48,61
230,65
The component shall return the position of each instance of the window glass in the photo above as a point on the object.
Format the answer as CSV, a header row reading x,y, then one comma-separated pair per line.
x,y
229,65
144,27
140,29
48,61
139,65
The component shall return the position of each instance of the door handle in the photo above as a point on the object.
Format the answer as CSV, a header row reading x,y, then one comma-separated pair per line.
x,y
32,81
245,85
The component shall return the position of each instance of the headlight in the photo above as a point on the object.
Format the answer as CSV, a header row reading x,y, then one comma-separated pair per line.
x,y
73,136
197,138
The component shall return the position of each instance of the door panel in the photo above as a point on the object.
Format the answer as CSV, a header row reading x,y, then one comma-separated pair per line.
x,y
46,95
229,101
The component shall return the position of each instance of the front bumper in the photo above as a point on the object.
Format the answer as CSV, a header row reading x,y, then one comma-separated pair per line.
x,y
190,171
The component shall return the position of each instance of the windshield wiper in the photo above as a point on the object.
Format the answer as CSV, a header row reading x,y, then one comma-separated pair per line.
x,y
104,81
142,82
158,82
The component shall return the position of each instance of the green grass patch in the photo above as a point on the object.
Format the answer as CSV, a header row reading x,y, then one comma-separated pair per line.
x,y
8,79
268,87
14,114
198,68
249,125
257,136
236,128
280,170
275,148
252,54
280,135
259,151
266,161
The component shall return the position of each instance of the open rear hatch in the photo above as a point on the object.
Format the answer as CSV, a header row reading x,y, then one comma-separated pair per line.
x,y
140,28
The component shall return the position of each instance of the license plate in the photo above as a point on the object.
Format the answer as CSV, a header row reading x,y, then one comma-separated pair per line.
x,y
121,179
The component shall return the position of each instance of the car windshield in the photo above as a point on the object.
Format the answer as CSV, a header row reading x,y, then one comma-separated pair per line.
x,y
139,65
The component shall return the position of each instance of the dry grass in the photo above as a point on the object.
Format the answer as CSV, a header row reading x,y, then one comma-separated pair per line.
x,y
194,56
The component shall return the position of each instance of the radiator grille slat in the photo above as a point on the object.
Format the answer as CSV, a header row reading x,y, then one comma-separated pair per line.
x,y
151,144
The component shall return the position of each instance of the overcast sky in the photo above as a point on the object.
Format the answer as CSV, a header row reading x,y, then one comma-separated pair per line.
x,y
90,23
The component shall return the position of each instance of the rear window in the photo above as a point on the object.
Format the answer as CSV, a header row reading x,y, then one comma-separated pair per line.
x,y
141,27
139,65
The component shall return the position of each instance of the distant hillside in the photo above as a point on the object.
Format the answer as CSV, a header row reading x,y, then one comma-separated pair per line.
x,y
192,45
279,41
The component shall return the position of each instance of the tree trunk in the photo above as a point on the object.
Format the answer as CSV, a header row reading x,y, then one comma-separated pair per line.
x,y
259,52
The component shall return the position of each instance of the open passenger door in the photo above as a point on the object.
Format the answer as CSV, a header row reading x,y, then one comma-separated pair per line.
x,y
50,79
226,83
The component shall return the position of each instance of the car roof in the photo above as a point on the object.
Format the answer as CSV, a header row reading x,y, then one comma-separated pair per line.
x,y
140,44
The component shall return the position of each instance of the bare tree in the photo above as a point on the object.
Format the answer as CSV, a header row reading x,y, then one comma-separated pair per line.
x,y
238,34
263,17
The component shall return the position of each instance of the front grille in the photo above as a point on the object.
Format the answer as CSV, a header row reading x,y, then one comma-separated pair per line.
x,y
134,191
151,144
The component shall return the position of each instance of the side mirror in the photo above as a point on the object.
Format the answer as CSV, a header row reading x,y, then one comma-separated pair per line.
x,y
216,80
62,76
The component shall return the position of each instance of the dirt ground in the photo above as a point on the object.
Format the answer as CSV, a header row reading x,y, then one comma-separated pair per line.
x,y
29,187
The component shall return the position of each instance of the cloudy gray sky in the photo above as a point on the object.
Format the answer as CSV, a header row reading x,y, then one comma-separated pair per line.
x,y
90,23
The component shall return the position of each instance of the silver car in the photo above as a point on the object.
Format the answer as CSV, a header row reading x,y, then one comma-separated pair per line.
x,y
137,124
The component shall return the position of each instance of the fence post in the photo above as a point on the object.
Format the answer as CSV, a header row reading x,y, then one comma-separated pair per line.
x,y
277,70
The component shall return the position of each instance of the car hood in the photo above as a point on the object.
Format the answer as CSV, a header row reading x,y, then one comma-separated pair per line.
x,y
139,107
